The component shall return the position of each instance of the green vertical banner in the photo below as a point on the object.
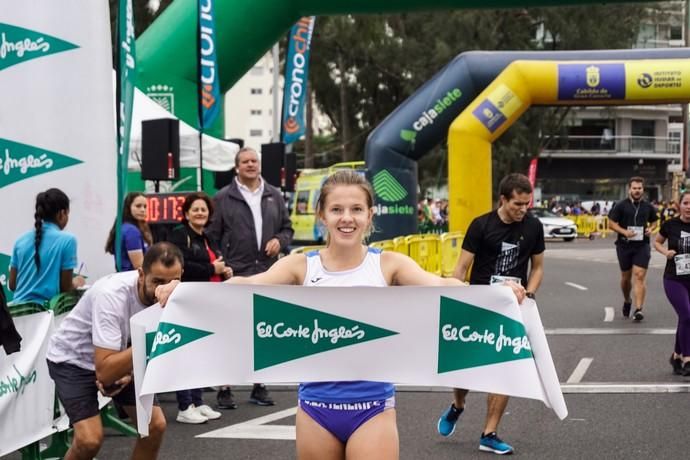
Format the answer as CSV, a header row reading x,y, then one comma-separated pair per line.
x,y
296,76
126,76
209,85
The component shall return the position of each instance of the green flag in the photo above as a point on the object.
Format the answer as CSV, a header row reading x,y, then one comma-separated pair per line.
x,y
471,336
284,332
126,75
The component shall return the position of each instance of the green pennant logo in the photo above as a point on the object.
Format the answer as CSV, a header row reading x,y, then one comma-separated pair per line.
x,y
150,338
18,45
21,161
284,332
408,135
471,336
387,187
170,337
5,275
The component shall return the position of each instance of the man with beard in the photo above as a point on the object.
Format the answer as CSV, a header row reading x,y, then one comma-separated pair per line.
x,y
91,351
631,219
503,246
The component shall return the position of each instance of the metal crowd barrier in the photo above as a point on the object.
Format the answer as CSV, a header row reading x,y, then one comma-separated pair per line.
x,y
591,226
451,245
424,249
305,249
433,252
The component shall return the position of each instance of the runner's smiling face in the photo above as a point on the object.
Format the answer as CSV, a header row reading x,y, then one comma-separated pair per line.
x,y
515,208
346,215
636,191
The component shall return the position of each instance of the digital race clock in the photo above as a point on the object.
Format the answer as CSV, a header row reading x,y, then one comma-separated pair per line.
x,y
165,208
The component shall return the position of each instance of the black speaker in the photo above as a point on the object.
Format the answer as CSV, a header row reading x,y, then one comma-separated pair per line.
x,y
160,149
272,162
290,171
223,178
236,140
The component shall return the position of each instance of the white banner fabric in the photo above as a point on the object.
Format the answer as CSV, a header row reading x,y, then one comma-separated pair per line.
x,y
27,393
57,126
466,337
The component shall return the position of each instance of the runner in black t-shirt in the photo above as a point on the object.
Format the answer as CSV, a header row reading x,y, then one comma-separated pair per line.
x,y
502,244
630,219
677,279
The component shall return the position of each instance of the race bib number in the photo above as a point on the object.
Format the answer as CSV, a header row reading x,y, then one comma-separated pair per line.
x,y
682,264
500,279
639,233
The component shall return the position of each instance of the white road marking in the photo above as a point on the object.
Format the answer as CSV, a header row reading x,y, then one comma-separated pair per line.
x,y
257,429
603,388
607,331
576,286
608,314
580,370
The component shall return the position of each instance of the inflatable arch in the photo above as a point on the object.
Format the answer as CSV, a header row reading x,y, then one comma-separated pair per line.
x,y
245,30
526,83
422,121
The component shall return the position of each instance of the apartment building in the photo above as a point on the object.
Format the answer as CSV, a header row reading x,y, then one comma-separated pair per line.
x,y
249,106
598,148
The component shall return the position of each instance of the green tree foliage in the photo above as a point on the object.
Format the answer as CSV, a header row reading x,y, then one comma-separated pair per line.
x,y
145,12
363,67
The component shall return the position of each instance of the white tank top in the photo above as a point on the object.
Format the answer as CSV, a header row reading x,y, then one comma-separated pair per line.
x,y
368,273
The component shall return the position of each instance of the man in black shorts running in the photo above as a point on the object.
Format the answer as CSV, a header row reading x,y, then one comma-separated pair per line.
x,y
632,220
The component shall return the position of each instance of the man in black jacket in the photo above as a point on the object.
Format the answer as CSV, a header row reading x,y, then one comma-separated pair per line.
x,y
251,225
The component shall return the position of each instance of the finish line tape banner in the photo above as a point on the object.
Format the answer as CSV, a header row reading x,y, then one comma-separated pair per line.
x,y
466,337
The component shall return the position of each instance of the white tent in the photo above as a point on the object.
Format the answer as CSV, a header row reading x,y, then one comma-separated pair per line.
x,y
218,155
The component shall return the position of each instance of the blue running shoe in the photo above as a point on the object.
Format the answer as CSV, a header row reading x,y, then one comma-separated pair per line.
x,y
446,424
492,443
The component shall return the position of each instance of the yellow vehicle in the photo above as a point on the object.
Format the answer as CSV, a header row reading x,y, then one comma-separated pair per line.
x,y
307,227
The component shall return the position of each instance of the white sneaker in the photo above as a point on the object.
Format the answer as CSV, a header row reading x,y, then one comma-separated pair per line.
x,y
207,412
191,415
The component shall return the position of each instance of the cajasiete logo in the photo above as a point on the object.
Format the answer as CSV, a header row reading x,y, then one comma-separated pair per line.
x,y
21,161
18,45
284,332
429,115
388,189
163,95
471,336
170,337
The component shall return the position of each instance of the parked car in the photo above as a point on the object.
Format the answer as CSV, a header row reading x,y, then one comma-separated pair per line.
x,y
555,226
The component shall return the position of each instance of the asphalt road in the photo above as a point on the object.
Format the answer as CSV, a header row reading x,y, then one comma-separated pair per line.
x,y
623,400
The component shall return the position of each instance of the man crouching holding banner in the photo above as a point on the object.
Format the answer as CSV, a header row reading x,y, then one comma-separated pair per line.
x,y
91,351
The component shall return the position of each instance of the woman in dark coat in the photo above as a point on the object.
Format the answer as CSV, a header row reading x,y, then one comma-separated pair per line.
x,y
202,262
